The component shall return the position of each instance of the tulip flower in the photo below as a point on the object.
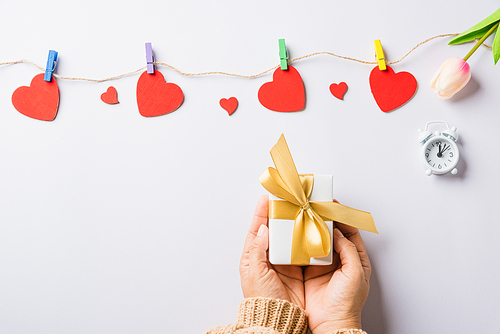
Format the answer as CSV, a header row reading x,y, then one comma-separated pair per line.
x,y
451,77
454,74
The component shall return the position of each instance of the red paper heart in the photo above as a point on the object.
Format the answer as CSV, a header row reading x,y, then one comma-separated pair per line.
x,y
391,90
155,97
39,101
285,93
110,96
229,105
338,90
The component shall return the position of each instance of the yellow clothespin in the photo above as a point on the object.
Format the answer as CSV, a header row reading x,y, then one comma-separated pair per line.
x,y
379,53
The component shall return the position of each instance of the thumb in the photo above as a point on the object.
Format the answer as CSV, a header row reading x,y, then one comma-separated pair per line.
x,y
257,254
347,251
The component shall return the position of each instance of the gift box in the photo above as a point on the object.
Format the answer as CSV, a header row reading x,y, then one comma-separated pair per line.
x,y
281,230
302,212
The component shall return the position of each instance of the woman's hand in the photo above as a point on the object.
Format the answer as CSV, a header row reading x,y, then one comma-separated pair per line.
x,y
258,277
335,294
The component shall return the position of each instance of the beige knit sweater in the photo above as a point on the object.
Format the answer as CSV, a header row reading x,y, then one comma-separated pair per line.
x,y
270,316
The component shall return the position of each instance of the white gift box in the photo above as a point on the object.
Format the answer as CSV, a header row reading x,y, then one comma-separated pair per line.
x,y
281,230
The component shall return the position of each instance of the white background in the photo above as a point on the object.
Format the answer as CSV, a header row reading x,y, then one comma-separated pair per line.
x,y
115,223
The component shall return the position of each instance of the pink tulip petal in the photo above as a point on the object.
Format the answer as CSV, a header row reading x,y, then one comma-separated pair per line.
x,y
451,77
436,75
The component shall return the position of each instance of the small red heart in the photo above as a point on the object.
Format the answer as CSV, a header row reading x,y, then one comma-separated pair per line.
x,y
338,90
110,96
391,90
39,101
155,97
285,93
229,105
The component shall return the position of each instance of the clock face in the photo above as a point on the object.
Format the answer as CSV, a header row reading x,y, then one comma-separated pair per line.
x,y
441,154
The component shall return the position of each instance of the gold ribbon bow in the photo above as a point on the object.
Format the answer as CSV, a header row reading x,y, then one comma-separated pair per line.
x,y
311,237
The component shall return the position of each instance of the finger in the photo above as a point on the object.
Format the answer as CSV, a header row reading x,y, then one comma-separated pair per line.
x,y
259,218
354,236
258,252
351,263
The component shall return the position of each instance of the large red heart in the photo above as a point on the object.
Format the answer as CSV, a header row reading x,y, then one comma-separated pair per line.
x,y
285,93
391,90
338,90
39,101
229,105
155,97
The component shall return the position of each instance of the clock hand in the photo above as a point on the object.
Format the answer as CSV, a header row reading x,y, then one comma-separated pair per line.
x,y
440,154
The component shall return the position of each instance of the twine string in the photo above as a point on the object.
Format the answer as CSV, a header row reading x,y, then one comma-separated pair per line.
x,y
232,74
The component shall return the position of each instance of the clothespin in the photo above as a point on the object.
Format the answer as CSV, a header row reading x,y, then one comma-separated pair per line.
x,y
150,59
283,54
379,54
51,65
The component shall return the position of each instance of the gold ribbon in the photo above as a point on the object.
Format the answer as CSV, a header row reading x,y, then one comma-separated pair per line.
x,y
311,237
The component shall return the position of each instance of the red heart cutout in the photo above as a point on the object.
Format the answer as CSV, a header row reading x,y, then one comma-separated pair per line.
x,y
155,97
338,90
391,90
110,96
229,105
39,101
285,93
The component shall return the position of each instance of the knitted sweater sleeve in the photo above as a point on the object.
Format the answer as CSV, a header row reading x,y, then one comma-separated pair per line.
x,y
266,316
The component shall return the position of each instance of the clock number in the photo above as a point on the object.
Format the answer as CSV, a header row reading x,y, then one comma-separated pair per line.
x,y
439,166
438,143
426,155
451,154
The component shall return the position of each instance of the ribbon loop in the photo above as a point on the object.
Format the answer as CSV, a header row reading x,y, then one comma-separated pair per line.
x,y
311,236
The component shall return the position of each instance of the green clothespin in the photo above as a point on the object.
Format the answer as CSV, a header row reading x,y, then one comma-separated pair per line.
x,y
482,30
283,55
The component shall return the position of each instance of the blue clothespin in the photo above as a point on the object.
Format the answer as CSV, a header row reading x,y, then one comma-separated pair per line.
x,y
283,54
150,58
51,65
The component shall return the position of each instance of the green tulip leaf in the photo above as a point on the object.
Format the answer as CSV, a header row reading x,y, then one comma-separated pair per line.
x,y
496,47
478,30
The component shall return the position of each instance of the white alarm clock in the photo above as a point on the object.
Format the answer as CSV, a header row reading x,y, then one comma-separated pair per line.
x,y
439,151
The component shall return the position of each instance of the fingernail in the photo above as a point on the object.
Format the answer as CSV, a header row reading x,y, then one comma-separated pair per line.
x,y
260,231
337,233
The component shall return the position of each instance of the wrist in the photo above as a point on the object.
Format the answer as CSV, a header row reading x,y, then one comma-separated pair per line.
x,y
348,331
340,327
